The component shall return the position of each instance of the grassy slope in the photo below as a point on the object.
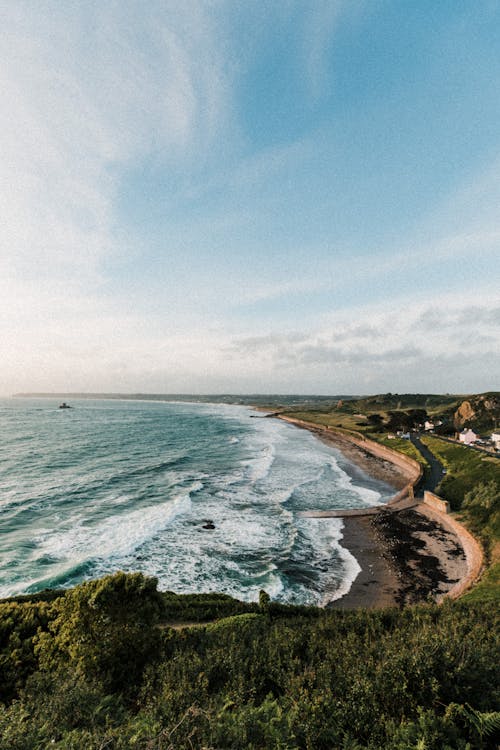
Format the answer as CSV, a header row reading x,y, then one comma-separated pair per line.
x,y
465,469
277,678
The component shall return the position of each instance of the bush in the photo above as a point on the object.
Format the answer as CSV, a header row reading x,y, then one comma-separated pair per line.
x,y
104,630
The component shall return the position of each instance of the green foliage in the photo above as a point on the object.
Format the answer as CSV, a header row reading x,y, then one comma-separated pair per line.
x,y
398,420
482,504
19,624
104,630
201,607
466,469
234,623
479,723
488,588
375,420
402,446
46,595
292,678
264,601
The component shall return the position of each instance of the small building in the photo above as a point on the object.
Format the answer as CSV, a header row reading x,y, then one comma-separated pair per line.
x,y
495,439
468,437
428,426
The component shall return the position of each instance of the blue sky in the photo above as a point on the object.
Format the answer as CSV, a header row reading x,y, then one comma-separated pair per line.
x,y
281,196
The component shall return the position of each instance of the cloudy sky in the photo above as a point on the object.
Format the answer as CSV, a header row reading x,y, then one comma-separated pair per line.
x,y
238,196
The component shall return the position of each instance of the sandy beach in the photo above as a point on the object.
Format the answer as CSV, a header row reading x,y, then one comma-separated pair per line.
x,y
405,557
351,453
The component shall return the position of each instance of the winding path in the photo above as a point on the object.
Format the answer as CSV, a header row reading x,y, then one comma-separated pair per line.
x,y
430,478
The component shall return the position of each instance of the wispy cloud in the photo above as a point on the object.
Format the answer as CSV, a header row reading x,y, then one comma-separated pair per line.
x,y
81,99
319,29
238,267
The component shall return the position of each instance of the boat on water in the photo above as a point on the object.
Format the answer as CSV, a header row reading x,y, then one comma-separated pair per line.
x,y
64,405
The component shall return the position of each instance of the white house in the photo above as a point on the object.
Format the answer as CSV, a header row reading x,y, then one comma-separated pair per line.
x,y
428,426
495,439
468,437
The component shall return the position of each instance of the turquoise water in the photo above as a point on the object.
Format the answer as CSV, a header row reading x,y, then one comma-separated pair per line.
x,y
129,485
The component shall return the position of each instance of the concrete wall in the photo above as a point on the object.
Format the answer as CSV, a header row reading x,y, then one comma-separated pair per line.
x,y
472,549
436,502
433,506
412,468
407,491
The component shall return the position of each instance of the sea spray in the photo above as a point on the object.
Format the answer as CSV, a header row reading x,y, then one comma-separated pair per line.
x,y
199,495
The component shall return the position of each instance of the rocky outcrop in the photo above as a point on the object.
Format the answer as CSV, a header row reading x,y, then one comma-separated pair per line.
x,y
463,415
478,412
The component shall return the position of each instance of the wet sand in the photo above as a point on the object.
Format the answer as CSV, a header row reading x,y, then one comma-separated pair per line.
x,y
377,584
405,556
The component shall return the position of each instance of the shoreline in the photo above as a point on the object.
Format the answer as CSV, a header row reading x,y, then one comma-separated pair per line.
x,y
376,460
405,557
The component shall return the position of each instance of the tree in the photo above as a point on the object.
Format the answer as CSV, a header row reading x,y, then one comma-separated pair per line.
x,y
264,601
375,420
418,416
105,630
399,420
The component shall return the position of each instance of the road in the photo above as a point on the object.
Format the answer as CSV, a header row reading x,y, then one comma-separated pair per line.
x,y
431,478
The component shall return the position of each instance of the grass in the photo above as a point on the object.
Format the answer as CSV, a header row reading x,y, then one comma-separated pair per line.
x,y
488,588
465,469
402,446
351,423
336,419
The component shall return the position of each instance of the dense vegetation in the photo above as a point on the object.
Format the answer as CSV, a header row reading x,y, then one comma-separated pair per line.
x,y
392,412
101,667
115,664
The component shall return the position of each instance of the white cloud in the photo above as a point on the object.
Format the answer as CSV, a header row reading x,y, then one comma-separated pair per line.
x,y
88,91
75,342
82,99
438,345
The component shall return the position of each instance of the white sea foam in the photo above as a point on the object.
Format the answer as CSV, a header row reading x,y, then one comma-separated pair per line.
x,y
117,536
352,569
119,509
335,566
367,496
259,467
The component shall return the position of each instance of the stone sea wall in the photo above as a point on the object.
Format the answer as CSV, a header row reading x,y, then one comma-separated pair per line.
x,y
436,502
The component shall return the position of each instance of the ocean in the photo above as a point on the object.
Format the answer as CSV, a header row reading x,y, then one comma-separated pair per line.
x,y
132,485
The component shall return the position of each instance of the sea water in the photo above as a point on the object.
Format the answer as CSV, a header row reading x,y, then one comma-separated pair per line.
x,y
131,485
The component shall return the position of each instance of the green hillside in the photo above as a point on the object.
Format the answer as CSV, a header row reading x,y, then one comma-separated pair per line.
x,y
393,411
104,667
